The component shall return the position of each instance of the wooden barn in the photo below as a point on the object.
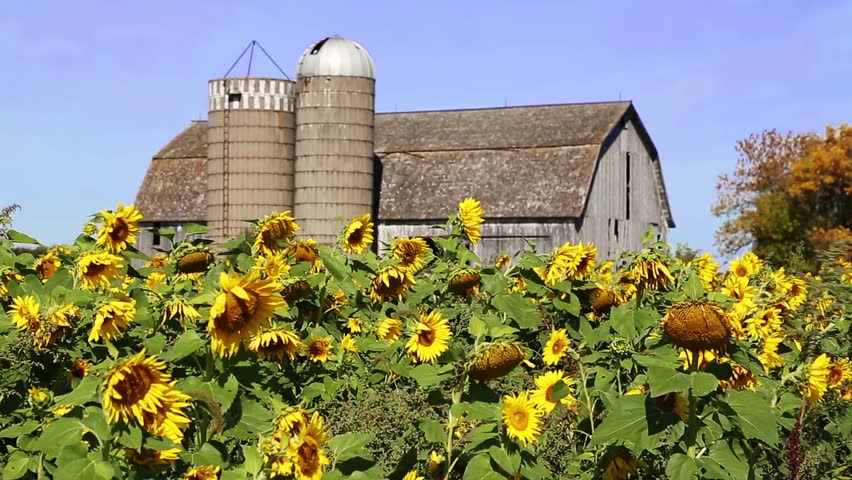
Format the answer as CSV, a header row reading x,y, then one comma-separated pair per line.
x,y
548,174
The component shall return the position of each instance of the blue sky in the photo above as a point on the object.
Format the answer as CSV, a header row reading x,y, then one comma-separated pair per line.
x,y
92,89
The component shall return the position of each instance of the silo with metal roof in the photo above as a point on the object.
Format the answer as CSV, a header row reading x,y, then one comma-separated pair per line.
x,y
250,152
335,110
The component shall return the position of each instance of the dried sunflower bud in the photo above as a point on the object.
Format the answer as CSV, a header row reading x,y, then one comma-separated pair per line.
x,y
496,360
697,325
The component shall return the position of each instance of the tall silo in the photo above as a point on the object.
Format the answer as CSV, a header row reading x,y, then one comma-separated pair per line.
x,y
335,110
250,151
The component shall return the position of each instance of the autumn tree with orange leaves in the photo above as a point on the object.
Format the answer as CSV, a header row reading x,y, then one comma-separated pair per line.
x,y
789,193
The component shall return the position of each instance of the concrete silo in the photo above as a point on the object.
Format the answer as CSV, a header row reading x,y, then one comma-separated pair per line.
x,y
335,110
250,152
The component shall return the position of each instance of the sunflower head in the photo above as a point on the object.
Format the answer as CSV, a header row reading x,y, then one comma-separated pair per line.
x,y
154,458
697,325
119,228
275,344
521,417
471,217
496,360
293,289
543,396
79,368
272,265
620,464
134,387
411,252
839,372
430,338
673,403
272,229
465,282
650,271
190,258
98,269
603,299
358,235
391,282
818,373
556,346
318,349
112,318
46,265
303,251
389,329
307,450
205,472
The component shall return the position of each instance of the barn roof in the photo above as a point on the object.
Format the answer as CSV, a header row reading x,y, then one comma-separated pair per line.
x,y
174,186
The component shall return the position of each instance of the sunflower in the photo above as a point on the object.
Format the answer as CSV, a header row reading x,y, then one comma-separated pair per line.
x,y
354,324
119,228
556,346
622,466
190,258
111,319
542,396
275,344
522,418
673,403
436,463
470,214
818,372
154,279
358,235
705,358
502,261
652,272
134,387
272,266
205,472
640,390
335,302
391,282
98,268
431,337
306,449
798,293
465,282
764,323
160,260
389,329
348,344
579,260
603,299
293,289
154,458
39,396
697,325
744,294
272,229
179,308
6,276
47,265
79,369
741,379
705,268
411,252
496,360
839,372
168,420
243,307
413,475
319,349
290,420
742,268
24,313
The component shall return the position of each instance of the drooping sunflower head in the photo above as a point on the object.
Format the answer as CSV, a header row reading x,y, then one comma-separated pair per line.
x,y
705,268
465,282
293,289
179,308
112,318
471,217
335,302
98,269
318,349
818,372
46,265
389,329
275,344
650,271
358,235
303,251
190,258
244,306
768,355
521,417
496,360
307,449
697,325
134,387
154,458
543,396
620,464
556,346
169,419
502,261
119,228
79,368
584,265
603,299
673,403
430,338
272,229
391,282
411,252
436,463
204,472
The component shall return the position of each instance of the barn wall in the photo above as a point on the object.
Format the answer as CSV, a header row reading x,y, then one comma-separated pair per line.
x,y
497,237
607,222
145,239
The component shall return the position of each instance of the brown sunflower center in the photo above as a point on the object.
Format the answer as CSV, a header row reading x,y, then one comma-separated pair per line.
x,y
95,269
317,349
548,394
742,271
308,457
305,254
356,236
835,374
666,402
426,337
558,346
120,231
238,311
520,419
135,385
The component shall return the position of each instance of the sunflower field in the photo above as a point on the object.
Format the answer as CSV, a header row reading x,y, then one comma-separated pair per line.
x,y
274,357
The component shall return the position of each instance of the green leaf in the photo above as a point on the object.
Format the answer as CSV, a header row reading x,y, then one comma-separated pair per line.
x,y
723,463
19,237
86,391
433,430
623,322
509,464
477,327
349,445
195,229
755,416
427,375
254,462
572,306
559,391
479,468
235,474
131,437
16,465
86,469
334,266
663,380
625,422
63,431
256,418
186,345
519,309
208,455
703,383
682,467
693,287
95,420
484,411
20,430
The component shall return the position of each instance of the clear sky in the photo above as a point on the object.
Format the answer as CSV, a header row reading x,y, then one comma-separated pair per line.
x,y
92,89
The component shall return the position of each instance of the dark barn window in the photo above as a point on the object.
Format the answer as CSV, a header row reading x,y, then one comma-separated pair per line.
x,y
627,199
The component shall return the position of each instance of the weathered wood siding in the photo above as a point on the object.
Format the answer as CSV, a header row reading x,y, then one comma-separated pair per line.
x,y
497,237
145,239
625,168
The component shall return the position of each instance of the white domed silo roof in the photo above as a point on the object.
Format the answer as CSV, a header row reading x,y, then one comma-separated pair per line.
x,y
336,56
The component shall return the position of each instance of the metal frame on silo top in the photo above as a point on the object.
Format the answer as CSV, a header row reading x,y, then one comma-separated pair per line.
x,y
250,152
334,152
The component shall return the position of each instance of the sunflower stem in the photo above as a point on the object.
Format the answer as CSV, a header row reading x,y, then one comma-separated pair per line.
x,y
588,397
456,397
692,426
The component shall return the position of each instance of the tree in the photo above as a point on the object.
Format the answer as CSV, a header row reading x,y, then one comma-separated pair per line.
x,y
6,218
789,193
